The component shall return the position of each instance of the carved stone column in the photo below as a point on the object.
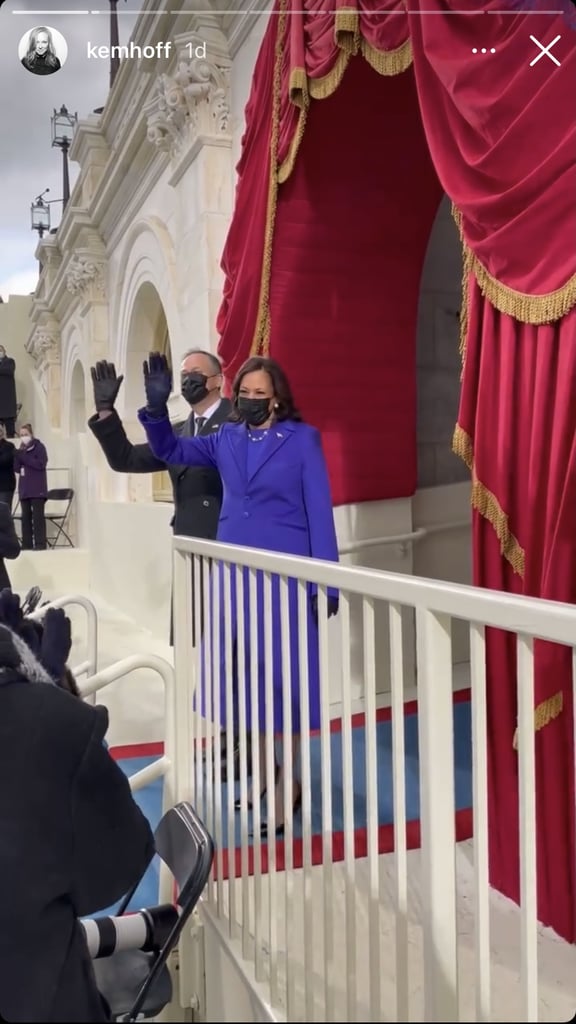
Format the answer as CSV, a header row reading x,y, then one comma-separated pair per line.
x,y
86,277
44,347
188,118
190,107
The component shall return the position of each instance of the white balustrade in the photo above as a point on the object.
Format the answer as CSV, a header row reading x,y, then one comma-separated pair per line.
x,y
299,915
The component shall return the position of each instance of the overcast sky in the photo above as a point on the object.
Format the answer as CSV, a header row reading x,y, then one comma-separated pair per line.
x,y
28,163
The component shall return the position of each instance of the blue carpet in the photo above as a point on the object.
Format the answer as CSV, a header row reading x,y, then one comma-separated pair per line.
x,y
150,798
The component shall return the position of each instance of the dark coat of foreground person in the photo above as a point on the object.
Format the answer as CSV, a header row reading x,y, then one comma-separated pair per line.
x,y
72,841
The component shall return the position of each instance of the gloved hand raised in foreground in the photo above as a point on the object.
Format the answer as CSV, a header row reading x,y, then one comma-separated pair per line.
x,y
56,642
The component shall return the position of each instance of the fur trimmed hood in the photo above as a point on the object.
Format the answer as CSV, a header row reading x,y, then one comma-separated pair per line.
x,y
17,660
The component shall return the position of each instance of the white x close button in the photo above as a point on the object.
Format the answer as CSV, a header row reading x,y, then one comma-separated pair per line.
x,y
545,51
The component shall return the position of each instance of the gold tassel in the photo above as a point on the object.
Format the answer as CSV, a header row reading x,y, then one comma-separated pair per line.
x,y
261,340
544,713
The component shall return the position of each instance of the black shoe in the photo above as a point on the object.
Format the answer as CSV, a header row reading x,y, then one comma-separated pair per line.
x,y
281,828
235,757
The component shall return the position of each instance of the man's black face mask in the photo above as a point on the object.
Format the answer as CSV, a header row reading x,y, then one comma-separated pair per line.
x,y
193,387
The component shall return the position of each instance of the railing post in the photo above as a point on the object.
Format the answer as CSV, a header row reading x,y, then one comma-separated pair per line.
x,y
185,671
179,727
438,838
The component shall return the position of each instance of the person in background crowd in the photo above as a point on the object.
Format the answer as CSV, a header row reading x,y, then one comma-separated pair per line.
x,y
74,840
9,543
8,405
277,498
30,463
7,474
197,490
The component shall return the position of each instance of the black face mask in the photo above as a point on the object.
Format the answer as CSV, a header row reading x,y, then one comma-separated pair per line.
x,y
193,388
254,411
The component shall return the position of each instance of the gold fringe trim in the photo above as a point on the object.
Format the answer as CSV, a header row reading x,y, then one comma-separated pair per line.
x,y
488,506
545,713
388,62
464,308
287,165
322,88
302,89
528,309
261,340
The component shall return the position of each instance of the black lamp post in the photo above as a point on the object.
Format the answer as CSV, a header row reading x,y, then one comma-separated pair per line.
x,y
63,128
40,214
114,41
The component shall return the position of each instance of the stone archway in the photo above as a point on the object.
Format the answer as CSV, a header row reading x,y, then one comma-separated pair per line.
x,y
439,363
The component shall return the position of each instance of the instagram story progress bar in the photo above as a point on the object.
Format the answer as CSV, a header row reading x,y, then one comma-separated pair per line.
x,y
295,10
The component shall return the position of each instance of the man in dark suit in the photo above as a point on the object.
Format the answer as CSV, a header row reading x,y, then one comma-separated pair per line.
x,y
197,491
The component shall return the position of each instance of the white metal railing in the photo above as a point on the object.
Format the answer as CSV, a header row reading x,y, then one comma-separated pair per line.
x,y
162,767
321,934
402,539
89,667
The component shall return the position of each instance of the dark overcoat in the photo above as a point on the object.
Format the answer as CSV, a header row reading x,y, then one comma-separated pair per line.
x,y
72,843
197,489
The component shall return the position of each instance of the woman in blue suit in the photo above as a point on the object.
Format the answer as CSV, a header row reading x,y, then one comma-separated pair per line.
x,y
277,498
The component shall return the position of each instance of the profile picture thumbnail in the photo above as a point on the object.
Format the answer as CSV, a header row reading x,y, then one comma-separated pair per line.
x,y
43,50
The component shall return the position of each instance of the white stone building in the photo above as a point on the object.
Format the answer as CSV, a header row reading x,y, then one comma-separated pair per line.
x,y
134,266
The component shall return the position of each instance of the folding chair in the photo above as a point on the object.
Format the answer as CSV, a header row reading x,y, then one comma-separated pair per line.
x,y
59,519
137,985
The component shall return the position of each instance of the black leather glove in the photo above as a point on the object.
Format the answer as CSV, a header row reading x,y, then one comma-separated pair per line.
x,y
157,384
11,613
332,603
106,385
31,633
56,642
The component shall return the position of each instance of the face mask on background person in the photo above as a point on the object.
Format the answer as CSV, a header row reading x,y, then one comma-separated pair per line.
x,y
2,353
254,411
26,439
194,387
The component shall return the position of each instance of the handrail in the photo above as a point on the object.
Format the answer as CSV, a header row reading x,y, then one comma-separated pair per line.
x,y
380,542
90,666
402,538
111,674
495,608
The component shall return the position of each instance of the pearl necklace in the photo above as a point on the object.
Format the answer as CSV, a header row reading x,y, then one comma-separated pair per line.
x,y
258,437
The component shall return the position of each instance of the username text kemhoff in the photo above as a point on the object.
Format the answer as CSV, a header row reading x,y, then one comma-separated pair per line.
x,y
135,52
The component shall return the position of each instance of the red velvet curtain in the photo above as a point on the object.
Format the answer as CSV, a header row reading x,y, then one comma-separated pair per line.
x,y
335,202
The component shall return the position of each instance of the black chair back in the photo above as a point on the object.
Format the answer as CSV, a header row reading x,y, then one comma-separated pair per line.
x,y
187,849
59,519
60,494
